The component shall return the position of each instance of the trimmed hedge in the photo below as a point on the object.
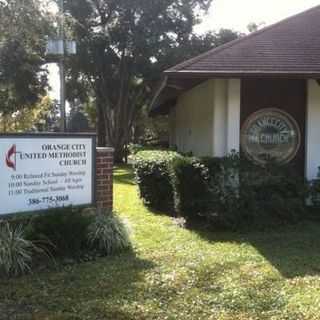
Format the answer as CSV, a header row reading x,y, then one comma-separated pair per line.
x,y
153,171
191,182
315,191
234,193
227,192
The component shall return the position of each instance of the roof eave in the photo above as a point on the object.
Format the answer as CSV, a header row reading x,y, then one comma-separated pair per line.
x,y
243,74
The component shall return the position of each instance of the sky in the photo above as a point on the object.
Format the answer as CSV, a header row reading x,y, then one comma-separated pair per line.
x,y
54,81
232,14
237,14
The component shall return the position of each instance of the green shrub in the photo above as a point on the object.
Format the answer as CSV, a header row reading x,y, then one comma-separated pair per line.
x,y
191,182
228,192
202,185
66,229
315,191
16,252
108,234
153,175
233,193
214,166
134,148
64,233
250,195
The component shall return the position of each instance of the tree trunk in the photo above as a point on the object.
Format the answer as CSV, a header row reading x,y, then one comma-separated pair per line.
x,y
101,125
119,142
119,154
116,118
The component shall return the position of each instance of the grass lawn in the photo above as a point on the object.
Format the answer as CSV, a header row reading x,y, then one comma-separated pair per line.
x,y
178,274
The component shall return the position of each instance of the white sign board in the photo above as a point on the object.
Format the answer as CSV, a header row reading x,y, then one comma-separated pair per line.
x,y
46,171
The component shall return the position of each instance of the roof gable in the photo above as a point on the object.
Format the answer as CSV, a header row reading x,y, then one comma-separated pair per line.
x,y
291,46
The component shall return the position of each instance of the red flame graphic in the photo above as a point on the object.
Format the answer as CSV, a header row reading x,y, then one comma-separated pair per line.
x,y
11,163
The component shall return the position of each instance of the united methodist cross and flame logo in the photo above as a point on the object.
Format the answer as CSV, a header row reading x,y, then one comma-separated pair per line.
x,y
11,158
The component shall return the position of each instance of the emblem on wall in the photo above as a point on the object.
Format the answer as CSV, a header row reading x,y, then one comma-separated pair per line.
x,y
270,135
11,158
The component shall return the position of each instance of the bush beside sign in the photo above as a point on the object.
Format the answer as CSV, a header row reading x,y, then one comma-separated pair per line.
x,y
39,172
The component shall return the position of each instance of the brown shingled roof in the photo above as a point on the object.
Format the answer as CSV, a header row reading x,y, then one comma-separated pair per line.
x,y
290,47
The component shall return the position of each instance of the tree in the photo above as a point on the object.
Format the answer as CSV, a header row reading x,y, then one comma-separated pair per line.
x,y
150,130
122,46
253,26
43,116
192,46
23,31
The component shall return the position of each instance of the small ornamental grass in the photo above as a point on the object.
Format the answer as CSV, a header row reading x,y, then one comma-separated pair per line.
x,y
108,234
70,234
16,252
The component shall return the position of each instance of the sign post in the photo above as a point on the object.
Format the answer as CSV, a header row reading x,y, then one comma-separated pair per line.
x,y
44,171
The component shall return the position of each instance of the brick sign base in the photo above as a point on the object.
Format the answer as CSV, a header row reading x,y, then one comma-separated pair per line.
x,y
104,182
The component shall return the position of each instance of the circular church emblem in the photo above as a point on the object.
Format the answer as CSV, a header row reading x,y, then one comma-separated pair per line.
x,y
270,135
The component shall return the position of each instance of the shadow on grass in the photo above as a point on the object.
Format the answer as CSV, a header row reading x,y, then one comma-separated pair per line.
x,y
163,212
78,291
292,250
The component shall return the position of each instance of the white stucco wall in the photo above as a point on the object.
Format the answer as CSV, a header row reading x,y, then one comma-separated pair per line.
x,y
206,120
313,130
233,120
191,121
220,118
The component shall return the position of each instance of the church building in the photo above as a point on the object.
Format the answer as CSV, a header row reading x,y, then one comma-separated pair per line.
x,y
258,95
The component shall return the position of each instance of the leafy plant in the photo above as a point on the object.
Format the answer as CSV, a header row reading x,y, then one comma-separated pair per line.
x,y
228,192
153,171
108,234
249,195
123,53
315,191
191,182
22,51
16,252
65,228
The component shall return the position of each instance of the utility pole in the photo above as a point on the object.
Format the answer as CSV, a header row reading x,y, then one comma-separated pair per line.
x,y
63,124
56,51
